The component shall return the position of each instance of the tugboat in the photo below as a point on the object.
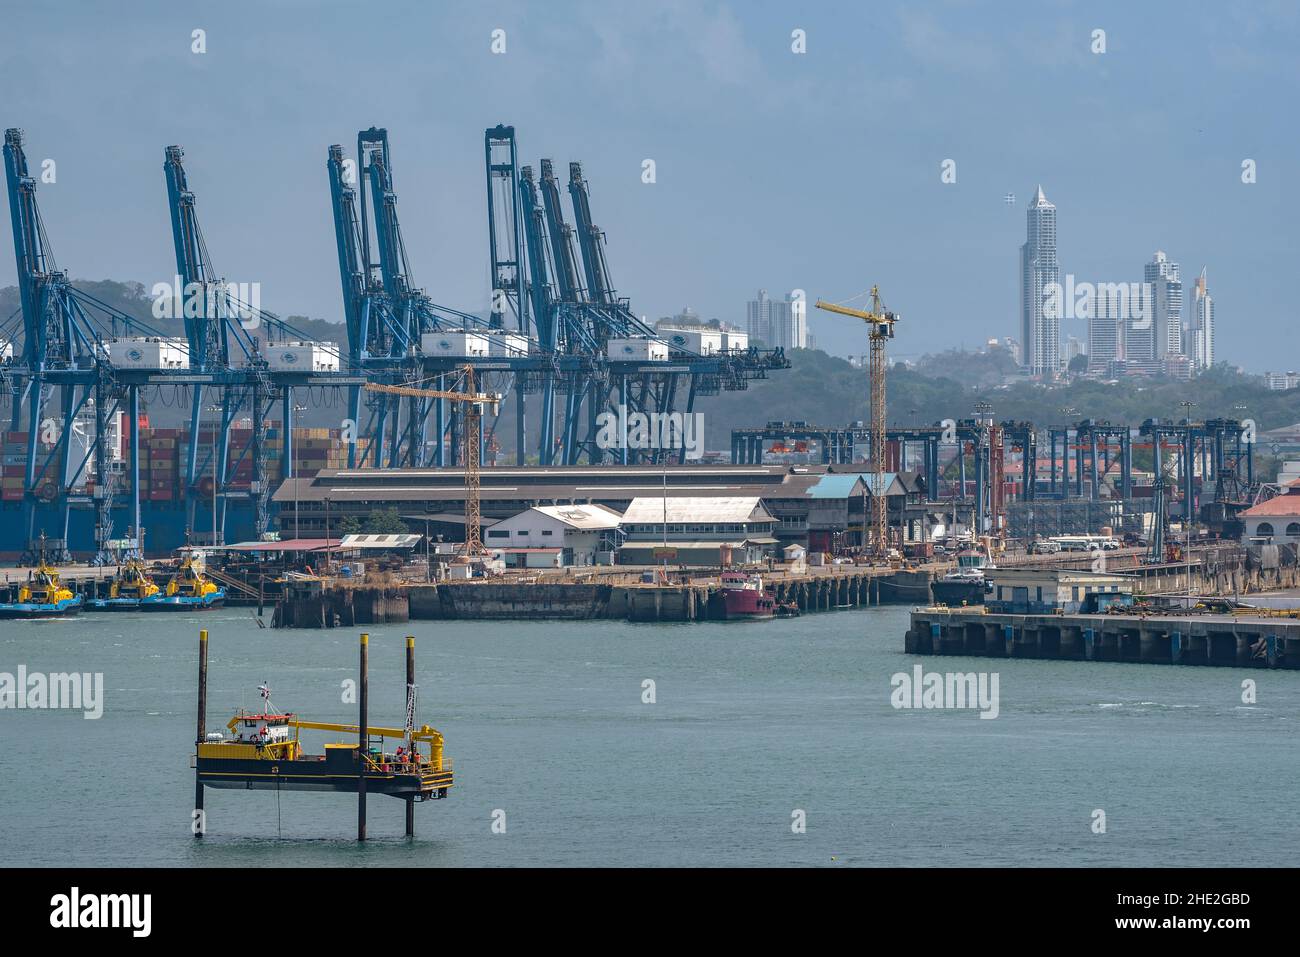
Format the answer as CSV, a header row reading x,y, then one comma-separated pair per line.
x,y
264,752
130,589
743,597
41,596
187,590
964,585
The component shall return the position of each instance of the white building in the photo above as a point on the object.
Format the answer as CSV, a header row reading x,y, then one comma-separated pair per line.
x,y
1154,329
554,536
1040,333
696,531
1275,520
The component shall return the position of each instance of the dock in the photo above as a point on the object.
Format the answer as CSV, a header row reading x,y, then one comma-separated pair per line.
x,y
616,596
1261,639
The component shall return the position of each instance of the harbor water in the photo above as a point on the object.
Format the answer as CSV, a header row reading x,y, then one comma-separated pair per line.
x,y
552,736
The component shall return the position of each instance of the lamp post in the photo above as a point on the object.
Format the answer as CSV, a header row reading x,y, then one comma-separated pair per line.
x,y
216,448
327,534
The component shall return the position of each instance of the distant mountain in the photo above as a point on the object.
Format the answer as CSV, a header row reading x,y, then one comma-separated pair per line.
x,y
826,390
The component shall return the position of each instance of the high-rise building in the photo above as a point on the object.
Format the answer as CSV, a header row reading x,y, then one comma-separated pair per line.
x,y
1040,332
1202,325
1074,347
1105,328
1166,286
778,323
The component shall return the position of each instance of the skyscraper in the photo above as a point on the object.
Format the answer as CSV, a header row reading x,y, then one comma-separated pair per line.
x,y
1105,340
778,323
1202,325
1166,285
1040,333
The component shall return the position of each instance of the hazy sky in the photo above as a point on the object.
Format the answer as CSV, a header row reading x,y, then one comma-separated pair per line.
x,y
818,171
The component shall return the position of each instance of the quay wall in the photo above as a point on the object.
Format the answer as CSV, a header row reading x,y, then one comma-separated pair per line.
x,y
1217,640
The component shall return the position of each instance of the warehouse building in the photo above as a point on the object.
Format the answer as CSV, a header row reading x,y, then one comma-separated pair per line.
x,y
435,498
697,530
554,536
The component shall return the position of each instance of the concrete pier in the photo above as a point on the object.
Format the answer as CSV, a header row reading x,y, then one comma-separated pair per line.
x,y
504,599
1224,641
698,601
341,607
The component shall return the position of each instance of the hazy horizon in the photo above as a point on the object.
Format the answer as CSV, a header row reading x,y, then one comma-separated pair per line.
x,y
818,171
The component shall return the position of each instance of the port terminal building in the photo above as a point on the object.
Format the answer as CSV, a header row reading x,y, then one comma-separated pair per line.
x,y
1048,591
816,507
697,530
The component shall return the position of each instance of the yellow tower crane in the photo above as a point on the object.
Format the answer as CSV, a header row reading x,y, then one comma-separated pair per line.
x,y
880,322
472,444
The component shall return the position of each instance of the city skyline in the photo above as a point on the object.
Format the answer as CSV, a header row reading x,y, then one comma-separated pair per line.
x,y
687,86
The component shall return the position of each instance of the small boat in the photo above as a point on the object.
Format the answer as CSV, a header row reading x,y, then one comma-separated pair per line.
x,y
964,585
187,590
743,597
130,589
264,751
43,595
788,609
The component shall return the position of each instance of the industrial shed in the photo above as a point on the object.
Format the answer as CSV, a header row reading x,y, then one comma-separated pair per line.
x,y
685,530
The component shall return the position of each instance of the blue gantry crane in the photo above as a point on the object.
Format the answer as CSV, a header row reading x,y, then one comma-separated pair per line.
x,y
556,328
597,354
248,357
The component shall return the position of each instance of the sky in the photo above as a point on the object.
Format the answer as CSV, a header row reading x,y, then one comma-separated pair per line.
x,y
819,171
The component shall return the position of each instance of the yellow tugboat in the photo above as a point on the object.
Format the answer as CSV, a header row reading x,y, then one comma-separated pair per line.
x,y
130,589
187,590
43,595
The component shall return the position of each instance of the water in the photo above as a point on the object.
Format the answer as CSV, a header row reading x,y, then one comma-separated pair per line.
x,y
752,721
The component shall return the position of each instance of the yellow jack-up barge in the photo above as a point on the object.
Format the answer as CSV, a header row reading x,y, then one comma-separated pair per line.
x,y
264,751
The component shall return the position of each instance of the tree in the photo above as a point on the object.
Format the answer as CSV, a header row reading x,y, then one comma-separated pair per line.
x,y
1078,364
348,525
384,521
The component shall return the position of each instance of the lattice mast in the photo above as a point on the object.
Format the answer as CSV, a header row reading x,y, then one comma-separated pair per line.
x,y
473,448
880,323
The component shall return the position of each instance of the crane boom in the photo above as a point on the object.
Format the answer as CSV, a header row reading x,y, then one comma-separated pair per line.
x,y
474,402
881,329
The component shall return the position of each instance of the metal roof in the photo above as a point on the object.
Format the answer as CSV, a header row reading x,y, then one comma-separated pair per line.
x,y
681,510
288,545
581,516
844,484
380,541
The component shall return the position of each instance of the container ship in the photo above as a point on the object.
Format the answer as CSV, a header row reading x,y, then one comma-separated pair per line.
x,y
164,453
